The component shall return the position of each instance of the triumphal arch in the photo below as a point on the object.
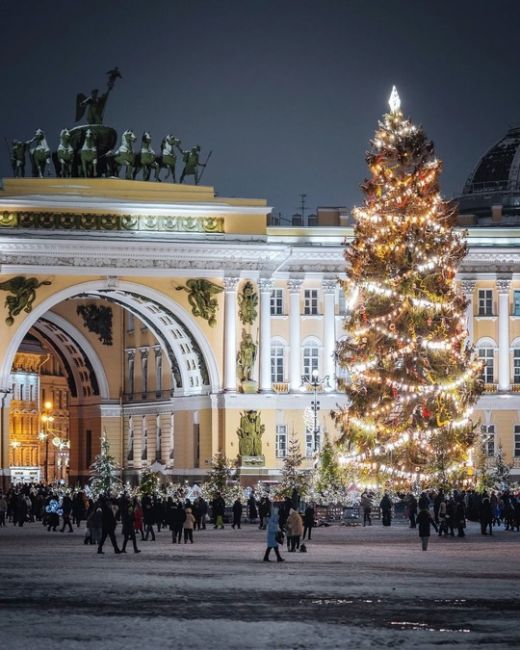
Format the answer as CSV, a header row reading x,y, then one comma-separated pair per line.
x,y
160,314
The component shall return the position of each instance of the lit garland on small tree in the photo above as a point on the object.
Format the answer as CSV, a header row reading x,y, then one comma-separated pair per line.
x,y
413,378
149,483
221,473
292,478
104,471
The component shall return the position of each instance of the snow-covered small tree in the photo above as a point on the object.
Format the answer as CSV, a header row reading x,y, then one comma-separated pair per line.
x,y
104,471
149,482
292,477
222,471
500,473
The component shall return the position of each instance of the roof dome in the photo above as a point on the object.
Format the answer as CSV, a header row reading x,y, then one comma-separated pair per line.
x,y
491,195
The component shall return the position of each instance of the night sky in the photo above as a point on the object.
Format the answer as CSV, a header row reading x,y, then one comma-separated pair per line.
x,y
286,93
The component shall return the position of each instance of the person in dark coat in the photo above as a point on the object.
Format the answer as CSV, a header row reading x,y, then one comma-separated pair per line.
x,y
386,510
264,512
66,506
424,502
203,513
460,517
439,498
78,508
108,523
273,532
20,510
127,521
412,510
177,519
424,521
148,517
252,509
486,516
308,521
237,514
283,512
219,507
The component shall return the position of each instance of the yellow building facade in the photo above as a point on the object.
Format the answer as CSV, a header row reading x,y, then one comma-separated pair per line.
x,y
136,292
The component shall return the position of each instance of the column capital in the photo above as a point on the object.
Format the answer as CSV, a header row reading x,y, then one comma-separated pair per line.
x,y
503,284
294,285
468,285
230,284
265,284
329,285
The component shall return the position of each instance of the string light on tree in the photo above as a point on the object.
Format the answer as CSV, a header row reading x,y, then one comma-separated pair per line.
x,y
413,377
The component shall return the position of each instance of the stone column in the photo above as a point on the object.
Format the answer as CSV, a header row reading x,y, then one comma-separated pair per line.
x,y
230,334
504,372
468,287
5,401
295,374
329,286
265,285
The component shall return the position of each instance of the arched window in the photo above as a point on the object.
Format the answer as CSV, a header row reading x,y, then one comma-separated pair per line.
x,y
277,361
311,357
486,347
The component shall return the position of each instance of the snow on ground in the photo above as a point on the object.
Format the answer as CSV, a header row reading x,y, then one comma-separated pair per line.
x,y
356,588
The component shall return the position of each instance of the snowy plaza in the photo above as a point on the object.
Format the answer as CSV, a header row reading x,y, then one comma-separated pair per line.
x,y
355,588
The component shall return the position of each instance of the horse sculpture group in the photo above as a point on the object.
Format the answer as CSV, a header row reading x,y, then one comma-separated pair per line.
x,y
79,156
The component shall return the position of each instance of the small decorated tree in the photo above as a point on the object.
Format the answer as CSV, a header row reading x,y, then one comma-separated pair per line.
x,y
149,482
292,477
223,470
500,473
104,471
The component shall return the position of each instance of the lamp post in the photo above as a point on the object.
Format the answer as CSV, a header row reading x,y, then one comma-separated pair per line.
x,y
47,419
315,382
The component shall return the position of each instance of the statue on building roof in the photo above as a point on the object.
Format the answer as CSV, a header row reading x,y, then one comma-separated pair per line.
x,y
191,158
95,104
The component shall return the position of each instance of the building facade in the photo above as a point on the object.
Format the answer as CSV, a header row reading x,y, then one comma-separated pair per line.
x,y
184,325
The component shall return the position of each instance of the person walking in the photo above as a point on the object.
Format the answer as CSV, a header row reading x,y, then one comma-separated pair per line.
x,y
366,506
177,518
308,521
189,525
294,530
424,521
148,517
412,510
237,513
127,521
108,523
274,535
486,516
252,508
3,509
460,517
264,511
138,518
66,506
386,510
219,508
203,513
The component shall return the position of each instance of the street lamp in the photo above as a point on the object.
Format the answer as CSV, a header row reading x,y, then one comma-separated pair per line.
x,y
315,382
47,420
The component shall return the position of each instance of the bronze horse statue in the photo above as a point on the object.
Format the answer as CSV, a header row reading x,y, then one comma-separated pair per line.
x,y
123,156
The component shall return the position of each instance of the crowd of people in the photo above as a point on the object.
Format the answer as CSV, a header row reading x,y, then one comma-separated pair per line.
x,y
142,516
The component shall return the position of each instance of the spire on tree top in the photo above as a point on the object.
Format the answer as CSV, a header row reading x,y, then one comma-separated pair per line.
x,y
394,101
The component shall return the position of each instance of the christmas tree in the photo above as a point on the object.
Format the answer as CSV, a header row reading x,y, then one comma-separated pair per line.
x,y
149,483
221,473
104,470
292,478
413,377
500,472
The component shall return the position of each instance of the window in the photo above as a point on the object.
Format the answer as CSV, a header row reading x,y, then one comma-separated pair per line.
x,y
130,455
485,302
342,301
158,438
277,302
516,303
130,369
488,372
144,454
281,440
311,302
516,366
158,373
516,446
311,353
488,438
277,358
144,371
129,322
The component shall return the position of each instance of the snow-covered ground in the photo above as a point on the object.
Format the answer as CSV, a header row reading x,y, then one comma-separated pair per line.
x,y
355,588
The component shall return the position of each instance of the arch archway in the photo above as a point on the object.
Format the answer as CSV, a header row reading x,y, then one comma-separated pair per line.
x,y
173,325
